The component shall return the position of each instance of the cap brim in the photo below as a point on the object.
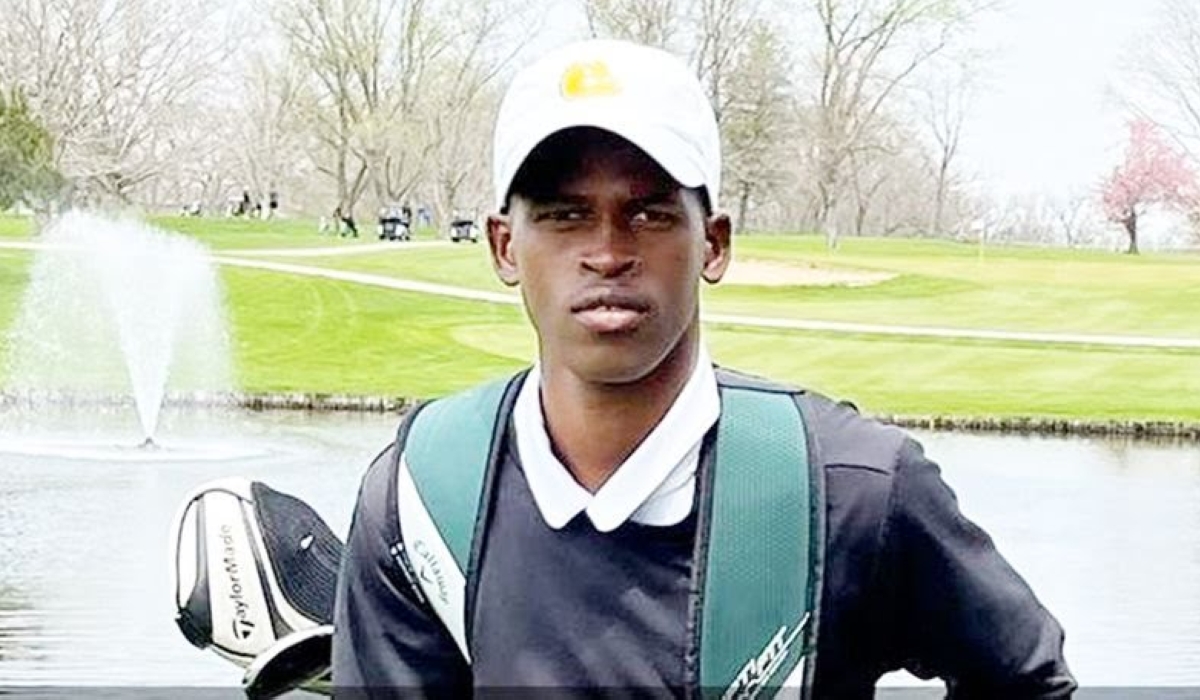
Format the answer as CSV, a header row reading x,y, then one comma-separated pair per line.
x,y
662,145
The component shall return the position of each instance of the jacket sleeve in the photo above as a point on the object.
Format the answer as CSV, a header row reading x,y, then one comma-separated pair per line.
x,y
387,641
962,613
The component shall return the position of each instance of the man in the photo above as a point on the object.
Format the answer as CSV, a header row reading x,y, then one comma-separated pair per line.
x,y
583,569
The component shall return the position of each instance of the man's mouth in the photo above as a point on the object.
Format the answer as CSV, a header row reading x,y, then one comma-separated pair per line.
x,y
610,312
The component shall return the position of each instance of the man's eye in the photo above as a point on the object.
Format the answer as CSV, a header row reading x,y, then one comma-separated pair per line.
x,y
565,214
653,217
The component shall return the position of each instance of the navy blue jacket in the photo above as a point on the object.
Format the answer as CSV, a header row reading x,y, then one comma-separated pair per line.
x,y
909,583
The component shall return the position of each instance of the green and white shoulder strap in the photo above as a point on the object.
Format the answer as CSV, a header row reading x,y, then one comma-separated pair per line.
x,y
759,538
440,493
758,543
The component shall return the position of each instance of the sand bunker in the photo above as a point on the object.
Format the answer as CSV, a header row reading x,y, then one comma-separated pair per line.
x,y
776,274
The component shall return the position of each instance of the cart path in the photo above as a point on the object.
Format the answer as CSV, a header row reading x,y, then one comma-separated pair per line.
x,y
444,290
738,320
398,283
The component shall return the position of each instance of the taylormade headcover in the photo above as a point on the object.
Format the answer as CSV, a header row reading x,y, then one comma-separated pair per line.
x,y
252,565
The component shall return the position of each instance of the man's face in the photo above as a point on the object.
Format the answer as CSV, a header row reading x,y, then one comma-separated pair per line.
x,y
608,250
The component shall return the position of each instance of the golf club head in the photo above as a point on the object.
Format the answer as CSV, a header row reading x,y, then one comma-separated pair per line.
x,y
299,660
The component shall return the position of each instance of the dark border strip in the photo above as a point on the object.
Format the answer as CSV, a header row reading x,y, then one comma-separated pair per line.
x,y
926,692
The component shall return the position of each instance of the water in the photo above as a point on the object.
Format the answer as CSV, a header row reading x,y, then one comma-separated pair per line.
x,y
85,571
117,308
1107,533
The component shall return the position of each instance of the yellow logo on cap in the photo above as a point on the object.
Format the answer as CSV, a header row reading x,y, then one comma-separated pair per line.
x,y
591,79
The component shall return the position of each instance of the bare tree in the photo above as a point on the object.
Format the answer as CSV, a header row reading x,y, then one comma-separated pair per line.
x,y
340,43
42,48
869,48
110,79
368,61
712,34
264,141
653,22
946,99
459,114
889,188
869,173
1076,217
1162,77
724,28
759,120
397,88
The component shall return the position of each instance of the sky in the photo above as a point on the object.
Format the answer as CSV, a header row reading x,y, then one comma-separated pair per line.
x,y
1048,121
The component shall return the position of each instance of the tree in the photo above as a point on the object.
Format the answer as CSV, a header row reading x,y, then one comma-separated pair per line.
x,y
1153,173
456,126
111,80
341,45
712,34
724,29
27,174
1161,80
745,66
1075,214
758,121
890,188
947,100
868,49
872,167
394,91
653,22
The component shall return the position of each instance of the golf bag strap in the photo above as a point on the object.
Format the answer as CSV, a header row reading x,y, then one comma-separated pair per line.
x,y
758,592
441,480
757,589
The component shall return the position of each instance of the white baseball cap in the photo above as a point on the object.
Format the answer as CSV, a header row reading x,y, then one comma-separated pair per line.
x,y
645,95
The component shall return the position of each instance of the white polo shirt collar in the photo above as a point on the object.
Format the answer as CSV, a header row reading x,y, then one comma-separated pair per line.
x,y
655,485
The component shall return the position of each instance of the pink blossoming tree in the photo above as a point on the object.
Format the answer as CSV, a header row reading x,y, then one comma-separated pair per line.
x,y
1153,173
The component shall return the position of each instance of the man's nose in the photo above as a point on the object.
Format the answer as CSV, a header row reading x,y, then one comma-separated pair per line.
x,y
612,251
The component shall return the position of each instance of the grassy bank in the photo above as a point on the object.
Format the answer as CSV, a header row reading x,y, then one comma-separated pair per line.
x,y
295,334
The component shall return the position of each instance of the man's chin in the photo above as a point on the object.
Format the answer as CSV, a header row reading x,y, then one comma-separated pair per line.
x,y
613,367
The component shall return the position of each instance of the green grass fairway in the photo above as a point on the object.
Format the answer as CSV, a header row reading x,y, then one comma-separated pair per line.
x,y
935,377
310,335
936,284
14,227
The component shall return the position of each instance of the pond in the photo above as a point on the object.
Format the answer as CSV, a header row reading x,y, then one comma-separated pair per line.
x,y
1107,533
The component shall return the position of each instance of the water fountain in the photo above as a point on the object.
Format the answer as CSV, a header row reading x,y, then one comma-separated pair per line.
x,y
120,337
117,314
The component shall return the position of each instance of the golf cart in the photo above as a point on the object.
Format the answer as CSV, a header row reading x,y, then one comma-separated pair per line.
x,y
463,228
394,225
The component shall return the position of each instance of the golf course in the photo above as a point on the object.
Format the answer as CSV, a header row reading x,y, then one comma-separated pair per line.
x,y
899,327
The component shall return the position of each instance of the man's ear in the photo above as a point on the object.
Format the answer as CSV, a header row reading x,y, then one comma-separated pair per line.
x,y
500,240
718,247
